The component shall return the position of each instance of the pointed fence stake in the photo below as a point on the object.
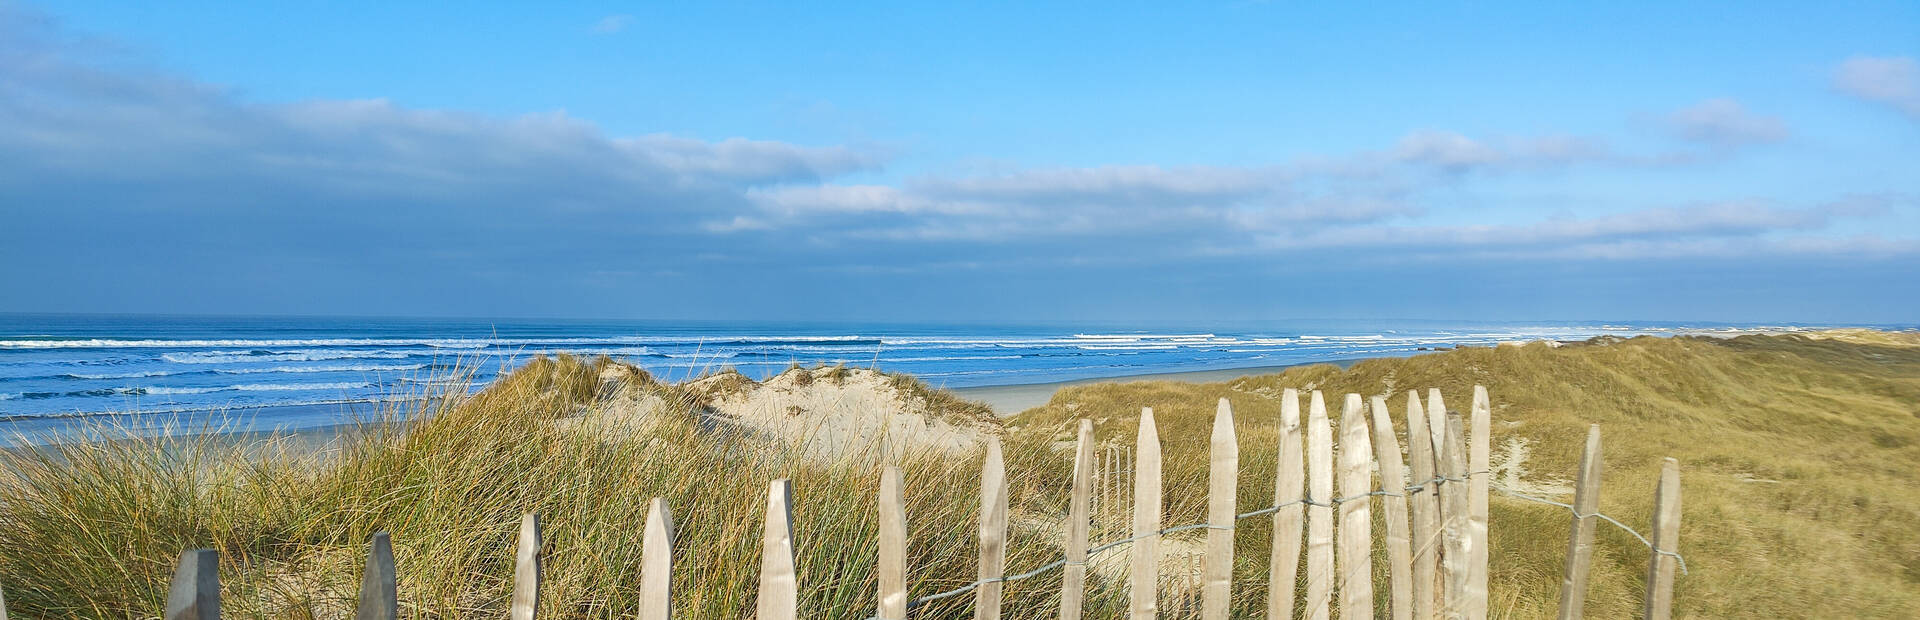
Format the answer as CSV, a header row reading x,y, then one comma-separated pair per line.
x,y
1425,510
1320,513
195,591
1479,433
1283,566
1393,480
379,596
1073,586
1666,539
1144,597
1453,509
993,532
1223,478
1355,561
526,569
893,546
779,584
656,563
1586,502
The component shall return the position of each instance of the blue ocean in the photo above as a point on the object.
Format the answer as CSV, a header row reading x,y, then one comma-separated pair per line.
x,y
303,372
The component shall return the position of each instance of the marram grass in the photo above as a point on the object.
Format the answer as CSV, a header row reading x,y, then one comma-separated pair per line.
x,y
1799,461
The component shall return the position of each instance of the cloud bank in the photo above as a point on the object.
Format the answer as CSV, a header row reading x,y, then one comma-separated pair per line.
x,y
129,188
1890,80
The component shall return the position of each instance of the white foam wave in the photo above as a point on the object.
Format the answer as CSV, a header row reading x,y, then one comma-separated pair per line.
x,y
229,357
311,369
439,343
247,387
124,375
963,358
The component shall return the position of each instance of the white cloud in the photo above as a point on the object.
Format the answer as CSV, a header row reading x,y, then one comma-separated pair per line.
x,y
612,24
1892,80
1446,150
1725,123
1725,228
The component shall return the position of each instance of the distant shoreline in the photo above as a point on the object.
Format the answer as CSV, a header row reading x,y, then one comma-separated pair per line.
x,y
1007,400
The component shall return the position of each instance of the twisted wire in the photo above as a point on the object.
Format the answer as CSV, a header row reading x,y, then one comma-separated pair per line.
x,y
1409,491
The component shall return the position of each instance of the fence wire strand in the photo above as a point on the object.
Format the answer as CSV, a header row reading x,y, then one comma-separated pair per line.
x,y
1409,491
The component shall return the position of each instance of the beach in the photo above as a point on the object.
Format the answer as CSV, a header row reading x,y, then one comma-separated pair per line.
x,y
1007,400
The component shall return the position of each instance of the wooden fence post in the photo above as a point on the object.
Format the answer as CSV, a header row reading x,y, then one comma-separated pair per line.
x,y
1073,585
1394,481
656,563
379,596
1144,599
1437,426
1479,433
1283,567
779,583
893,546
993,532
195,591
1223,479
526,570
1425,509
1355,561
1586,502
3,605
1320,513
1666,539
1453,508
1109,474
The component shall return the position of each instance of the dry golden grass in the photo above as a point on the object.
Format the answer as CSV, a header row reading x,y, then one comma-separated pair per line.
x,y
1800,463
93,530
1799,460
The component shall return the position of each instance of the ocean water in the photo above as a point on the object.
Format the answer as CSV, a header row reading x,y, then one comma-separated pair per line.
x,y
298,371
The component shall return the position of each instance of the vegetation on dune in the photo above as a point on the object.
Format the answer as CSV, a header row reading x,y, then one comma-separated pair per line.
x,y
1800,462
1799,458
94,530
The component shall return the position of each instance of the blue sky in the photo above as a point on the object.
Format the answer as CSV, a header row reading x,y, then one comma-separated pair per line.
x,y
1238,161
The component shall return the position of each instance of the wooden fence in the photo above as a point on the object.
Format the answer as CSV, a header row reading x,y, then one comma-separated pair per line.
x,y
1435,511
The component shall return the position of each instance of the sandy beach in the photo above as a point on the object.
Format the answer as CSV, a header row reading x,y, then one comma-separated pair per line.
x,y
1008,400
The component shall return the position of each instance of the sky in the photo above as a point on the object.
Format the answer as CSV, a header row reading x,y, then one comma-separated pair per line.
x,y
1166,162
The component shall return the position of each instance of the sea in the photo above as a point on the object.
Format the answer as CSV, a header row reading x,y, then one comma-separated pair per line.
x,y
258,373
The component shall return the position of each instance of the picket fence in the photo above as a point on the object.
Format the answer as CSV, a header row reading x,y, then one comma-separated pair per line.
x,y
1436,528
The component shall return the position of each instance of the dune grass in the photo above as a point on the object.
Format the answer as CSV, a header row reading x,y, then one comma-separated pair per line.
x,y
93,530
1800,463
1798,455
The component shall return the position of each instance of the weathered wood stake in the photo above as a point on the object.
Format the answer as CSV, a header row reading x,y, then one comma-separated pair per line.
x,y
893,546
1479,433
1144,597
1320,513
195,591
1073,587
526,570
779,597
1666,537
993,532
1586,501
1425,509
1283,566
379,596
1393,479
656,563
1453,509
1223,478
1355,560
